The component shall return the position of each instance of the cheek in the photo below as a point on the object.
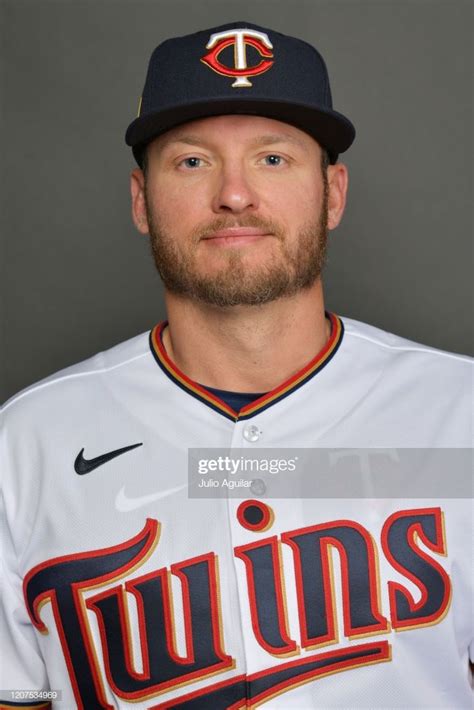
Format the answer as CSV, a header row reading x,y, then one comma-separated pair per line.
x,y
298,196
178,200
170,209
296,208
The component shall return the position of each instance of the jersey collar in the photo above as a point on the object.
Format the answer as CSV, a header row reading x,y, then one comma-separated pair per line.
x,y
286,388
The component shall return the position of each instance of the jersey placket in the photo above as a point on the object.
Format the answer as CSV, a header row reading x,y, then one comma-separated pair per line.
x,y
248,436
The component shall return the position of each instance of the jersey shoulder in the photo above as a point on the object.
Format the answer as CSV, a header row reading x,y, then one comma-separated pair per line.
x,y
409,367
79,375
381,340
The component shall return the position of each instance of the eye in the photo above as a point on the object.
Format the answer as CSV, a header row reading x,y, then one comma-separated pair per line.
x,y
192,162
273,159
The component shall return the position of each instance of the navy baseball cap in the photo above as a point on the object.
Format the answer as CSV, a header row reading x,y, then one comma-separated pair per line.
x,y
238,68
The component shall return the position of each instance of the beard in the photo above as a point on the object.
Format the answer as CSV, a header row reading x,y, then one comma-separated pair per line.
x,y
286,272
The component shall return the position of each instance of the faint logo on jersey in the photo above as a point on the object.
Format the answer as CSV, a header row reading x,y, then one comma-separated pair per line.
x,y
240,40
124,503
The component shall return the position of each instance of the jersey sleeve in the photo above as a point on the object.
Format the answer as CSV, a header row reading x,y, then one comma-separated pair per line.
x,y
21,666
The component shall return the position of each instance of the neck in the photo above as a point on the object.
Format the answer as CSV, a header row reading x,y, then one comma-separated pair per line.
x,y
246,348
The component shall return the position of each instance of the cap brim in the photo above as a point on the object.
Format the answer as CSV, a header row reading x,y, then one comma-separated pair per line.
x,y
331,129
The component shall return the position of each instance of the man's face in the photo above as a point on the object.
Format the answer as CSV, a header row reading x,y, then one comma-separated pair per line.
x,y
237,209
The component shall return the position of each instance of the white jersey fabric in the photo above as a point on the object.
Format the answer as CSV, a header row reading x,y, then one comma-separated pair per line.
x,y
121,591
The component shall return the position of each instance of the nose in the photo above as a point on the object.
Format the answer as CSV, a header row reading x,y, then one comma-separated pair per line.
x,y
234,192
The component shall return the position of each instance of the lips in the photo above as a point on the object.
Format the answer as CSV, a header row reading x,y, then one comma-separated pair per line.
x,y
236,235
238,232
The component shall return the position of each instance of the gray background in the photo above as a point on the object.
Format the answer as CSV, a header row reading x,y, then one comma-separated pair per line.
x,y
77,278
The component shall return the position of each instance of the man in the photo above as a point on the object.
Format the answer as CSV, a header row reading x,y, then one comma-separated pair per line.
x,y
124,588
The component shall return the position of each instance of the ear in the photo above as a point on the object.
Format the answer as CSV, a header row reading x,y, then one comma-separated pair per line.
x,y
137,189
338,180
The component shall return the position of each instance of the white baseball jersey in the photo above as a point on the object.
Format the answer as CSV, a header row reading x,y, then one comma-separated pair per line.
x,y
121,591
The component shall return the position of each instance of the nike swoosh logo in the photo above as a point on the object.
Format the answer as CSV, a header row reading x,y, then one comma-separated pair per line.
x,y
82,465
124,504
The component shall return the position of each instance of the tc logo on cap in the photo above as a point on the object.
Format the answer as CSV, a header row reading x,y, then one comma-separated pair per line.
x,y
239,38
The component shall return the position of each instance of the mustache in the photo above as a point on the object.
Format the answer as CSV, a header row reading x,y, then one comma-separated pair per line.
x,y
226,222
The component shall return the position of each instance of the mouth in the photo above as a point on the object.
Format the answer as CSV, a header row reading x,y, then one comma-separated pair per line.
x,y
236,236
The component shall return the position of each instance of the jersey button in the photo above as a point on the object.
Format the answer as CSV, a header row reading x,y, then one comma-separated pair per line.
x,y
252,433
258,487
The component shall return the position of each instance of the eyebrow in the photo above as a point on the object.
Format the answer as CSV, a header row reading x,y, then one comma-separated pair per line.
x,y
264,140
271,138
188,139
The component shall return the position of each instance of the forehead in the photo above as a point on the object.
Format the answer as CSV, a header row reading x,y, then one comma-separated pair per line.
x,y
234,129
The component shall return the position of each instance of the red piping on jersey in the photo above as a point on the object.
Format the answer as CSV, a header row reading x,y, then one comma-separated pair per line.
x,y
314,365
